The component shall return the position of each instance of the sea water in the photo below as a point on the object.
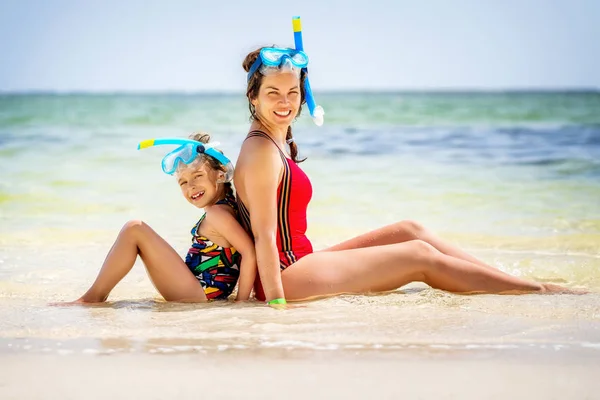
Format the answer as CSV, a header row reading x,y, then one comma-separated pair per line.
x,y
513,178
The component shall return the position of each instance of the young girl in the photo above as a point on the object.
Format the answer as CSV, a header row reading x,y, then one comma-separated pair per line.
x,y
221,250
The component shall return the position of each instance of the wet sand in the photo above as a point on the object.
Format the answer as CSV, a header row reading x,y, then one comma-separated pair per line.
x,y
301,375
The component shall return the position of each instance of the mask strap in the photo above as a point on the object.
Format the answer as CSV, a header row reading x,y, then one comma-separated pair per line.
x,y
254,67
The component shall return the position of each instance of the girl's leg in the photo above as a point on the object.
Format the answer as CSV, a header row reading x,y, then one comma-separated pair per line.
x,y
388,267
168,272
404,231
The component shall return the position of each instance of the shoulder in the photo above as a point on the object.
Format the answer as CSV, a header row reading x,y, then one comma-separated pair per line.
x,y
220,214
256,149
259,157
219,220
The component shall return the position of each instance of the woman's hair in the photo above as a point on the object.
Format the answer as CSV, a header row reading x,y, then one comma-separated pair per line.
x,y
252,92
204,137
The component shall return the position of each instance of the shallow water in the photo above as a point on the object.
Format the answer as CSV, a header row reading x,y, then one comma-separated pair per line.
x,y
513,178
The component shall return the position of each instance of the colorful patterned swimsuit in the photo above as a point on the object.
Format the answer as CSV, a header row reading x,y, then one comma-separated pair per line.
x,y
217,268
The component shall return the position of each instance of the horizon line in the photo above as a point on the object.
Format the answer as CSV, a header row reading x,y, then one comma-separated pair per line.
x,y
574,89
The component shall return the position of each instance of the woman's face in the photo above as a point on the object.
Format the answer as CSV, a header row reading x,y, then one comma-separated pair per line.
x,y
278,99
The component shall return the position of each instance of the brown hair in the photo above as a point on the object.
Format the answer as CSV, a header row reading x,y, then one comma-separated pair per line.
x,y
204,137
252,92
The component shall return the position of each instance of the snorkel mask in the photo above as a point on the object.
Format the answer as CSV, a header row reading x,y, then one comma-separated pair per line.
x,y
275,59
188,152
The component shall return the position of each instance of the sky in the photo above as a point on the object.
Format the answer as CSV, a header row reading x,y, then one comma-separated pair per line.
x,y
199,46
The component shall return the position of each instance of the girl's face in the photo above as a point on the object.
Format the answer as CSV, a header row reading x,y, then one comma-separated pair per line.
x,y
198,184
278,99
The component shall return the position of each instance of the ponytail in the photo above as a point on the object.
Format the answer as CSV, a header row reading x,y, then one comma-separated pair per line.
x,y
293,146
229,189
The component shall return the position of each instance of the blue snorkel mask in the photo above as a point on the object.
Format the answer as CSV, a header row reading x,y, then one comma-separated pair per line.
x,y
275,59
188,152
295,60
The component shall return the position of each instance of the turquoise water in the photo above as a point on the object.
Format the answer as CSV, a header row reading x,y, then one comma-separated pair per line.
x,y
511,177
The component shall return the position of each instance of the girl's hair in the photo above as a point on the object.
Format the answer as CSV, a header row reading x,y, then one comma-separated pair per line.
x,y
204,137
252,92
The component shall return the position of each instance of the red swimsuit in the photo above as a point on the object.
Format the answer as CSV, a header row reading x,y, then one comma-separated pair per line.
x,y
293,195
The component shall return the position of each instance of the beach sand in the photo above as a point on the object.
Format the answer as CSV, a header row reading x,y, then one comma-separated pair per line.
x,y
280,374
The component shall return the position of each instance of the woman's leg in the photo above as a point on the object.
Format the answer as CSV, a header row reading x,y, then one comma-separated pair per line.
x,y
168,272
405,231
388,267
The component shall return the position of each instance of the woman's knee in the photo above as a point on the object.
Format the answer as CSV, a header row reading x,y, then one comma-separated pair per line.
x,y
424,256
412,227
416,258
430,260
422,250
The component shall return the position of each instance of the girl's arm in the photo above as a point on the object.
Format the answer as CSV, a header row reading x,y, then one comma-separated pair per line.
x,y
222,221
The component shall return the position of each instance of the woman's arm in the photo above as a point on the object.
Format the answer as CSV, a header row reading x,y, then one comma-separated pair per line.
x,y
222,221
262,171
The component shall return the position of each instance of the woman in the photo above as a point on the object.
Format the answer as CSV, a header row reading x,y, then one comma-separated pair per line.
x,y
273,194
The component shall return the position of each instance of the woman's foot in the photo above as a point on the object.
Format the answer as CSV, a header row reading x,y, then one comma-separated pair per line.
x,y
551,288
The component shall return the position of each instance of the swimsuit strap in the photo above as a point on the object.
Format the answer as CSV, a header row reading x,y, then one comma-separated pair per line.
x,y
229,200
195,227
264,135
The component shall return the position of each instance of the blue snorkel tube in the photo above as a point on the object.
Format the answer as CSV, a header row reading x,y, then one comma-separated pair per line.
x,y
316,112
